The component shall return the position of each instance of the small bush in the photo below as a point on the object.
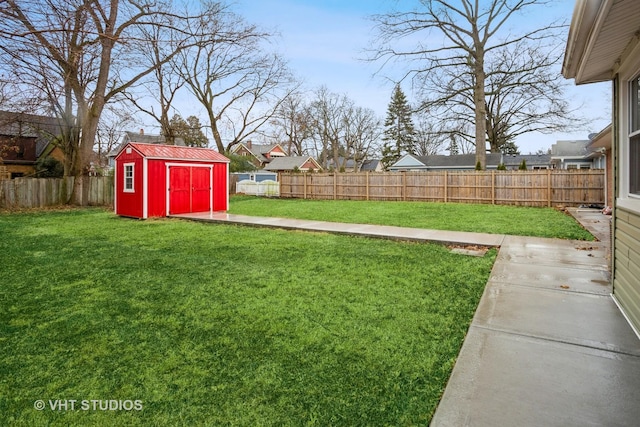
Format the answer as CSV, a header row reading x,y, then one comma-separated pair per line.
x,y
239,163
48,167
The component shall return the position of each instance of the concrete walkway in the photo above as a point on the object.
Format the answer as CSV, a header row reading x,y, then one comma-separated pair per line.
x,y
382,231
547,345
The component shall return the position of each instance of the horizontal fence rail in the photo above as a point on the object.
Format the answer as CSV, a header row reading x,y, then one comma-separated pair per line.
x,y
42,192
525,188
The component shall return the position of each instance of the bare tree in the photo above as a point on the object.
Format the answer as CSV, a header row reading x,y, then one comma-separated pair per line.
x,y
470,32
429,137
113,121
327,125
362,135
162,85
292,124
524,93
340,130
83,54
238,83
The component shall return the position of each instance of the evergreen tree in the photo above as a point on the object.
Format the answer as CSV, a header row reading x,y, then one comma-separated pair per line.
x,y
509,147
189,130
399,132
523,165
454,150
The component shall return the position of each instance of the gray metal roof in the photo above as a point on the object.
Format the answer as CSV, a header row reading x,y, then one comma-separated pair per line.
x,y
43,128
370,165
457,161
286,163
578,148
511,160
468,161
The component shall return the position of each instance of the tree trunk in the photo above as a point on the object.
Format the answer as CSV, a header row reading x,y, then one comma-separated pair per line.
x,y
480,109
216,133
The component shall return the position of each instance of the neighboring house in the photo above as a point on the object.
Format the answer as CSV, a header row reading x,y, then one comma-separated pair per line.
x,y
342,165
259,154
604,45
573,155
600,148
462,162
141,137
373,165
349,165
293,163
25,138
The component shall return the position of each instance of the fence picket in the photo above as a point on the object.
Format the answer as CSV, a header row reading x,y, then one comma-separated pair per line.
x,y
526,188
41,192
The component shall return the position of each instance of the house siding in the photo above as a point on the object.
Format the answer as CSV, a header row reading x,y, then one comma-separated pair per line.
x,y
627,264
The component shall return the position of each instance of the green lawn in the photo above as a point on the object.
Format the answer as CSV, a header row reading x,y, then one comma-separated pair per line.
x,y
209,324
498,219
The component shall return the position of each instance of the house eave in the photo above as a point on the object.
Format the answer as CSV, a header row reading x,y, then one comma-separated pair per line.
x,y
602,34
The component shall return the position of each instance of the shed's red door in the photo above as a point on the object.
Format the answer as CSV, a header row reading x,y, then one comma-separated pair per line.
x,y
189,189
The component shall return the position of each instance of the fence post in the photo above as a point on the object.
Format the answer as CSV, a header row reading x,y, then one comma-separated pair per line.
x,y
304,186
446,190
493,187
335,185
404,186
548,188
366,176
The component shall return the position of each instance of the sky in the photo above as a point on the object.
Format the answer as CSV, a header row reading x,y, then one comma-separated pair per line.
x,y
324,42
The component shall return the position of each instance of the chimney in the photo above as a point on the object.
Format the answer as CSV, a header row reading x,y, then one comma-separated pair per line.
x,y
249,144
141,131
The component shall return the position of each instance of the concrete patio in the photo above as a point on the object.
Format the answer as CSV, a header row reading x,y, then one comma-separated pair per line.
x,y
547,345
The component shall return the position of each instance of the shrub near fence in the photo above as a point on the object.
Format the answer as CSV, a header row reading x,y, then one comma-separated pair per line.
x,y
526,188
41,192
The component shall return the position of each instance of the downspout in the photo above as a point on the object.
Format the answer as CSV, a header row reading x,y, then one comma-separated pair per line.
x,y
615,141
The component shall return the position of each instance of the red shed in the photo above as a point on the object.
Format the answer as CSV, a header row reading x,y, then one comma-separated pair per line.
x,y
153,180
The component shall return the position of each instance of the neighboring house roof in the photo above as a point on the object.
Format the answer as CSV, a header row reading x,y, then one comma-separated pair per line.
x,y
371,165
532,160
28,125
174,152
438,161
144,139
578,149
41,130
598,38
264,153
290,163
348,164
468,161
602,139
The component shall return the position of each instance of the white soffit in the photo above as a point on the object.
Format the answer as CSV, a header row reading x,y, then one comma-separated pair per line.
x,y
601,32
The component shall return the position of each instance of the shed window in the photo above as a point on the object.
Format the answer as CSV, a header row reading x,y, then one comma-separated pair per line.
x,y
634,138
128,177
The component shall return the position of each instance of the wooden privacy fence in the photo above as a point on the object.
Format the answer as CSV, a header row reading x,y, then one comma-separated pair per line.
x,y
527,188
41,192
